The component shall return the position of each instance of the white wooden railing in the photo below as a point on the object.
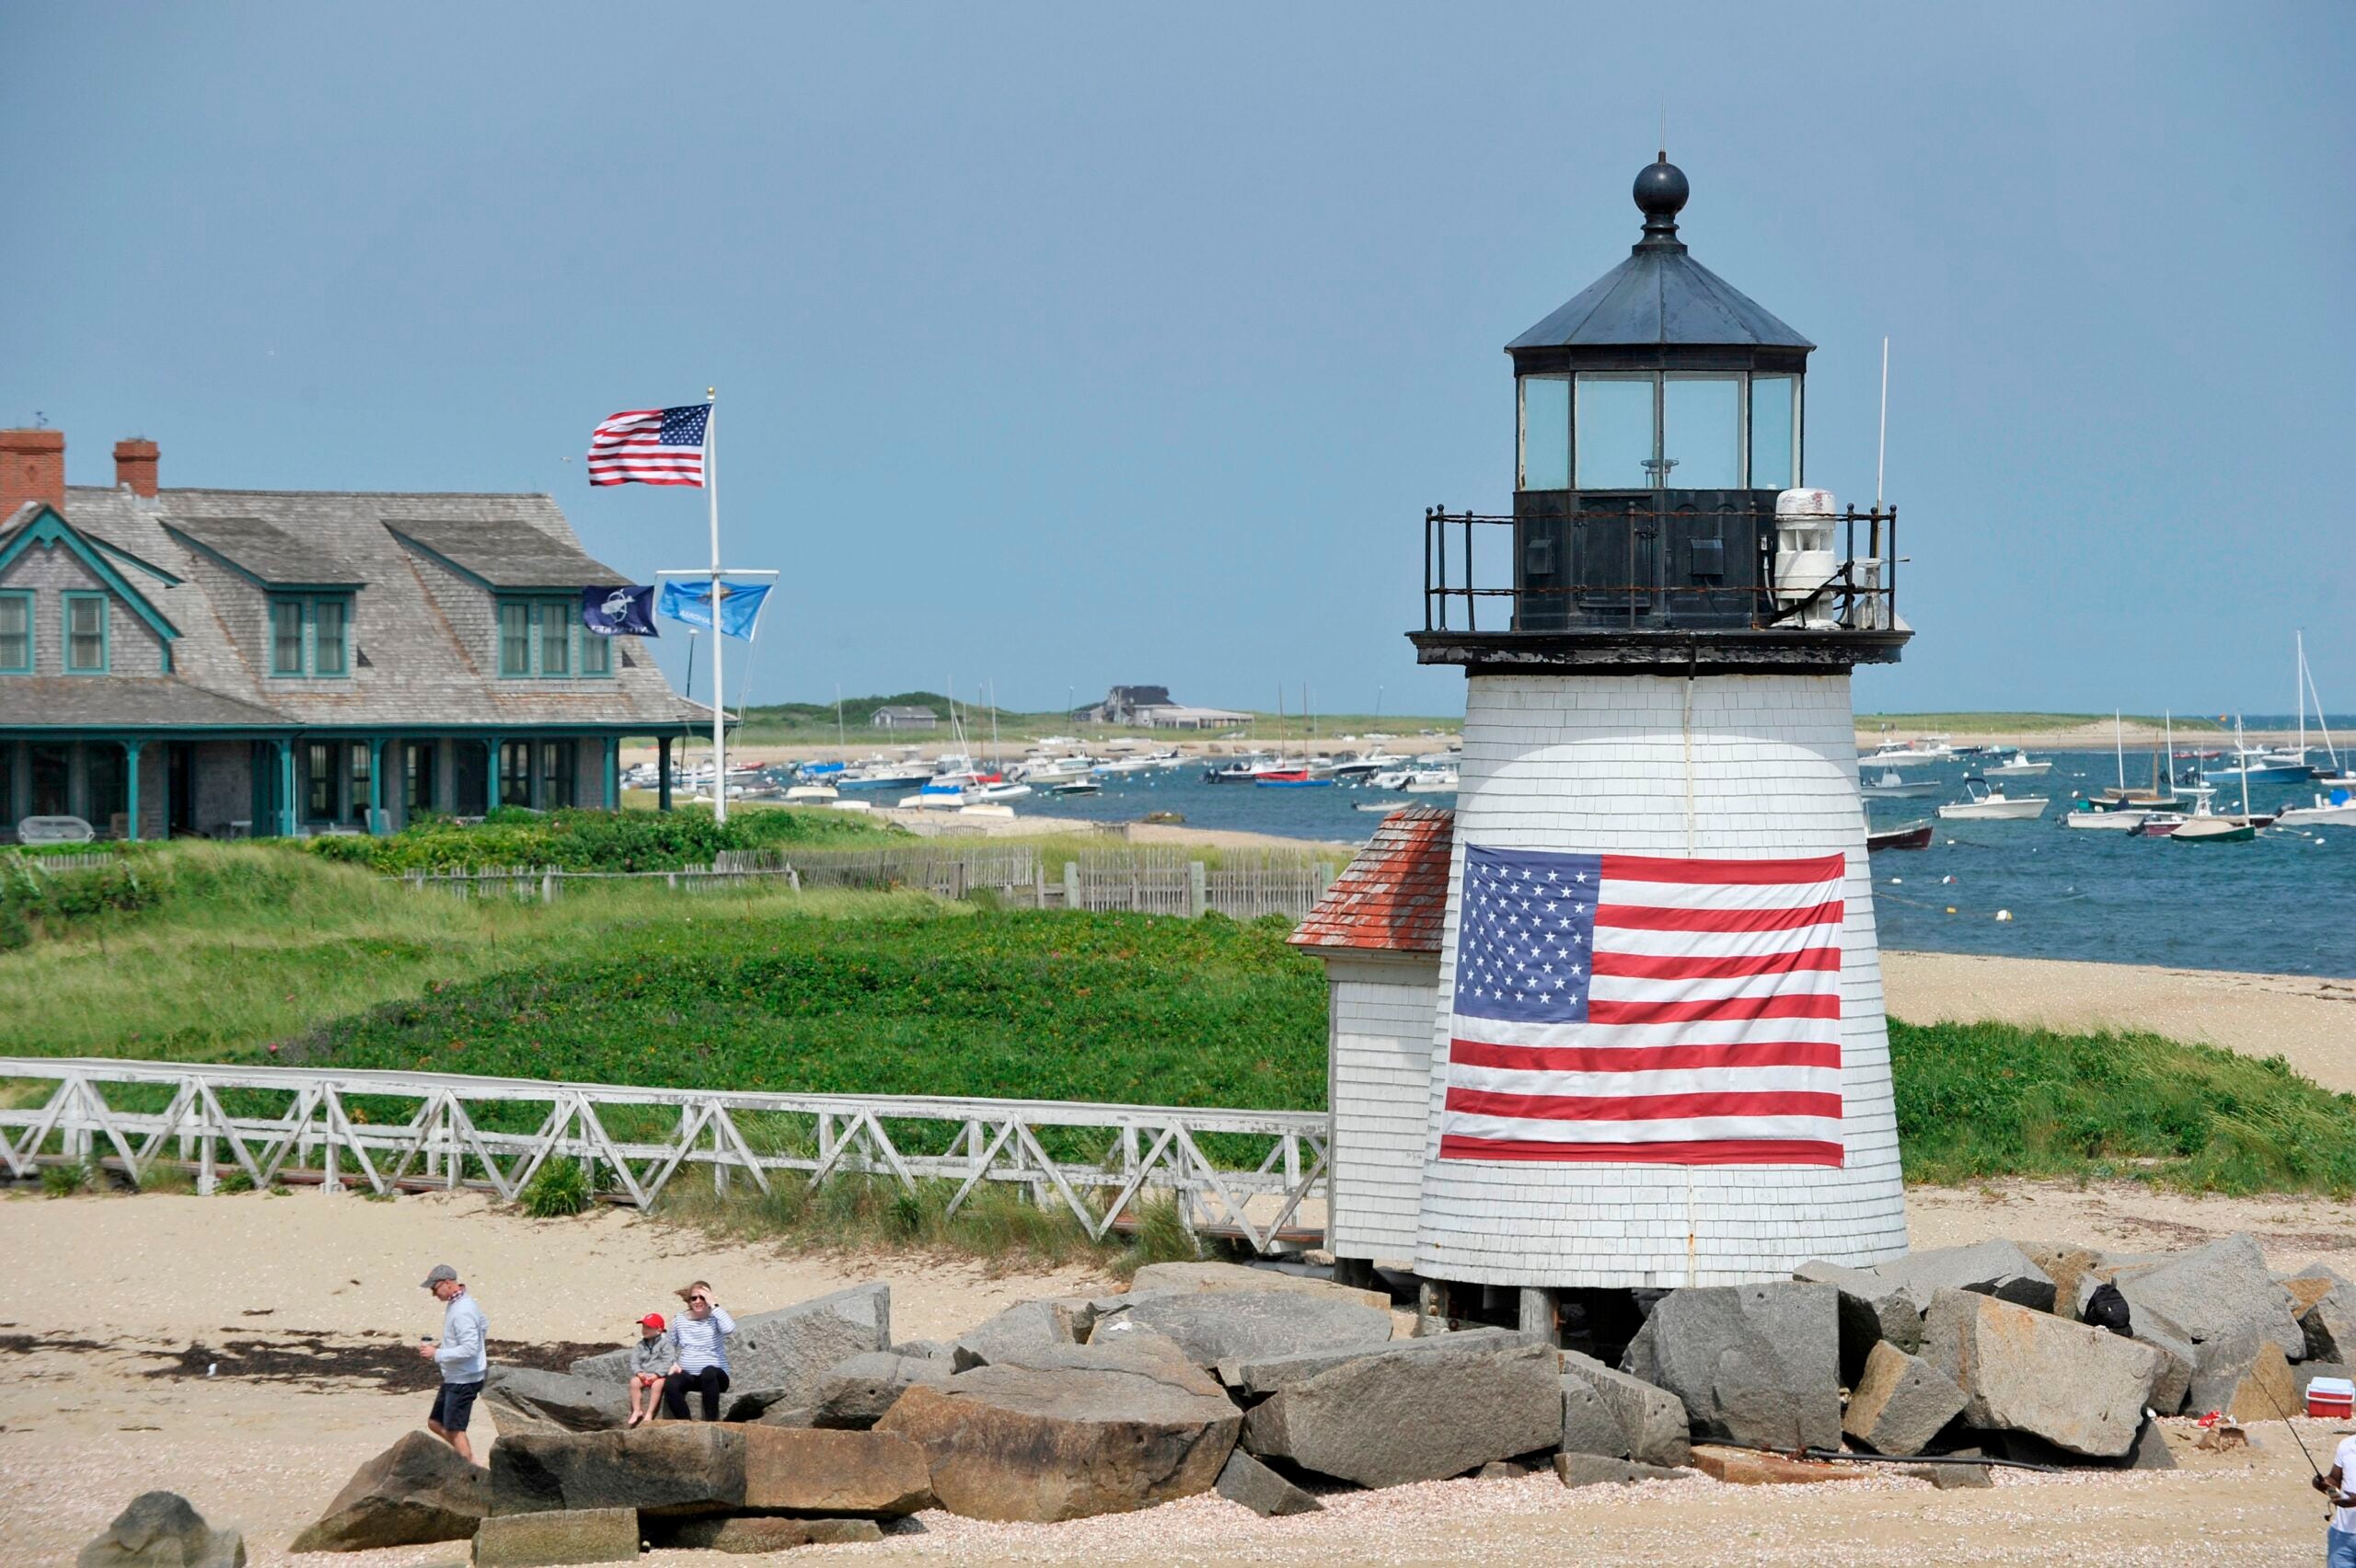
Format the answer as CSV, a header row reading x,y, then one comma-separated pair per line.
x,y
308,1130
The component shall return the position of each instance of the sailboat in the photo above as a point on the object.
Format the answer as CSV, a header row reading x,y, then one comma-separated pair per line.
x,y
2205,827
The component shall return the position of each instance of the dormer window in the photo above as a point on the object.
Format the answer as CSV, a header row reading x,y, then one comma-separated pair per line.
x,y
310,634
541,638
85,634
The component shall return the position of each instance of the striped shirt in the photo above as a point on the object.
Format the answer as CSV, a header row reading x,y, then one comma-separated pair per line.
x,y
461,1354
703,1343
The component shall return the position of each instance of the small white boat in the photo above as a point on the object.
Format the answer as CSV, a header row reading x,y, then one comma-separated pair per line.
x,y
997,790
809,794
1002,814
1891,754
1076,787
1891,787
2336,810
852,805
1432,781
2087,816
2018,767
1985,804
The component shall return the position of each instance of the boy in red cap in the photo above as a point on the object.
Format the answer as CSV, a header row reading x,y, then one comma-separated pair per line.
x,y
649,1358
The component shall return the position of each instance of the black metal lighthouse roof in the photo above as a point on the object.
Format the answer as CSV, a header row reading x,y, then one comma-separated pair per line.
x,y
1660,296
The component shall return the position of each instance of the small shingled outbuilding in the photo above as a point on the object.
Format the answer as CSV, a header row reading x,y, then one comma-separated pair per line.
x,y
1379,929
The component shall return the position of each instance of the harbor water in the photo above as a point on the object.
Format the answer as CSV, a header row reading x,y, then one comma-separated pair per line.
x,y
2284,904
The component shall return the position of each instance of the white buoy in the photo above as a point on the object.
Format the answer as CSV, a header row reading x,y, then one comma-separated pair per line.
x,y
2003,914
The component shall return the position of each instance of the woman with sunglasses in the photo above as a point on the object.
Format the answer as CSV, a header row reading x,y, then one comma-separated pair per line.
x,y
702,1334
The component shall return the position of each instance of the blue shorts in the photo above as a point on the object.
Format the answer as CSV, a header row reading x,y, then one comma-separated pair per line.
x,y
2339,1549
454,1405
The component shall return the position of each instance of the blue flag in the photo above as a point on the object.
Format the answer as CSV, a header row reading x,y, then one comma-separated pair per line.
x,y
626,611
690,601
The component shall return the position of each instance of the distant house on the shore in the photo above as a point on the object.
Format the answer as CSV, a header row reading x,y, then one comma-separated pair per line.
x,y
901,716
1150,706
234,662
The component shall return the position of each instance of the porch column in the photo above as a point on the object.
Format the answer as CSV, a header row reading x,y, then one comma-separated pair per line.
x,y
286,805
662,771
376,783
491,801
613,772
130,790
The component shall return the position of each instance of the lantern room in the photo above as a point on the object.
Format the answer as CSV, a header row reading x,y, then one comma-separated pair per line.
x,y
1658,416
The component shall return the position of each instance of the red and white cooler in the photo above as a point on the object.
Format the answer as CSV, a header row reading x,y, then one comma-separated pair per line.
x,y
2332,1399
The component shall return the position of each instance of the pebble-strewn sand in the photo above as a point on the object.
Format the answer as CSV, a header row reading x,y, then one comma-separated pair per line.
x,y
82,1430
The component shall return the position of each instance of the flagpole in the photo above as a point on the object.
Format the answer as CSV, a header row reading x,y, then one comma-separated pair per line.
x,y
719,687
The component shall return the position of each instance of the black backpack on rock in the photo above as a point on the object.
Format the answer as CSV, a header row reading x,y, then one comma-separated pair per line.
x,y
2107,1309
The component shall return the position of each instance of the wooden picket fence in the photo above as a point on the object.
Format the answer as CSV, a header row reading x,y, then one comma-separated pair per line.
x,y
1144,880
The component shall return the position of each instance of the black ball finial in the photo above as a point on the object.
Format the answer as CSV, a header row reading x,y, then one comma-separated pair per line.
x,y
1661,193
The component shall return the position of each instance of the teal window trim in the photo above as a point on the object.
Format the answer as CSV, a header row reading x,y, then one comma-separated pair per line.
x,y
317,657
515,643
22,598
523,648
67,602
323,649
283,606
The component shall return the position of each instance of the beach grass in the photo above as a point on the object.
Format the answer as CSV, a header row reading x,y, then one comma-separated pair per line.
x,y
242,947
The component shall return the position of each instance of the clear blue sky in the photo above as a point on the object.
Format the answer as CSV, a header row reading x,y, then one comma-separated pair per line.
x,y
1068,345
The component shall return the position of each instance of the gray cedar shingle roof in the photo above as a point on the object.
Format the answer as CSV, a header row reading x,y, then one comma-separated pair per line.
x,y
271,554
78,702
421,670
506,553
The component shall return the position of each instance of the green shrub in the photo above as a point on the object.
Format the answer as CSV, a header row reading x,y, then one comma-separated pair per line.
x,y
65,1180
581,840
559,1188
233,1180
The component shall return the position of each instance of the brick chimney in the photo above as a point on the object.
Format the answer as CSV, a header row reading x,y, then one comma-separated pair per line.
x,y
134,466
32,467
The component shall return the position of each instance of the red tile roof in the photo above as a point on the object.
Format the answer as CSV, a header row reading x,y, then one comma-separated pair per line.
x,y
1393,897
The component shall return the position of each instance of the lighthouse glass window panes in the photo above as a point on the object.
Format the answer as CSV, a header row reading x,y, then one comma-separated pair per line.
x,y
1700,432
1774,429
1613,438
1545,432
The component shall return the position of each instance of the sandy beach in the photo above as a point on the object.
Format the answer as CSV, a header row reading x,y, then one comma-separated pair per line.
x,y
131,1298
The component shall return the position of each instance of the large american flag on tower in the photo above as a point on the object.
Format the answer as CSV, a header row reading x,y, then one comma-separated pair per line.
x,y
650,447
1643,1011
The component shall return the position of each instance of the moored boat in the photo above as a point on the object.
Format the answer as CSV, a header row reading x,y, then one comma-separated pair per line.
x,y
1984,804
1909,835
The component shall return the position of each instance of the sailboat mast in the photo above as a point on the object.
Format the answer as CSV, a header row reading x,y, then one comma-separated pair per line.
x,y
2299,641
2119,744
2241,746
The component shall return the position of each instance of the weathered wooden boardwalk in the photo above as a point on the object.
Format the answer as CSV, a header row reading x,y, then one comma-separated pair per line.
x,y
385,1131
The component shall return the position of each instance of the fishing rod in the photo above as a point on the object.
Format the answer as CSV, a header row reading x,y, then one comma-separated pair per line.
x,y
2329,1491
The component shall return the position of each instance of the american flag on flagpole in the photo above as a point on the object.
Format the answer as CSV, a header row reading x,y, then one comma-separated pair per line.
x,y
650,447
1632,1010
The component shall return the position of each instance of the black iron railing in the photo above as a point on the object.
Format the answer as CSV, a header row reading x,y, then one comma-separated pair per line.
x,y
1639,588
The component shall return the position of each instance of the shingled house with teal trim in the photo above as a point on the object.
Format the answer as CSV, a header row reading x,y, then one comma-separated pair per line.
x,y
233,662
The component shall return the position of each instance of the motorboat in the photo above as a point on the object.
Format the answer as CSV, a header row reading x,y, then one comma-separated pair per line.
x,y
1891,787
1984,804
996,789
884,776
2018,765
1242,770
2252,764
1433,781
2114,819
2160,824
1908,754
2337,809
2214,830
809,794
1910,835
1385,807
1291,778
1076,787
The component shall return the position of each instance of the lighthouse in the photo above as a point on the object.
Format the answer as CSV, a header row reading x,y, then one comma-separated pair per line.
x,y
1659,1052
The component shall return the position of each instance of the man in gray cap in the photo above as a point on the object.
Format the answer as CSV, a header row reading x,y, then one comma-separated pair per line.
x,y
461,1354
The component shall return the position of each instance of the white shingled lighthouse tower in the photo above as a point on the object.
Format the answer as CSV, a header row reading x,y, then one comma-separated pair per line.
x,y
1659,1056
